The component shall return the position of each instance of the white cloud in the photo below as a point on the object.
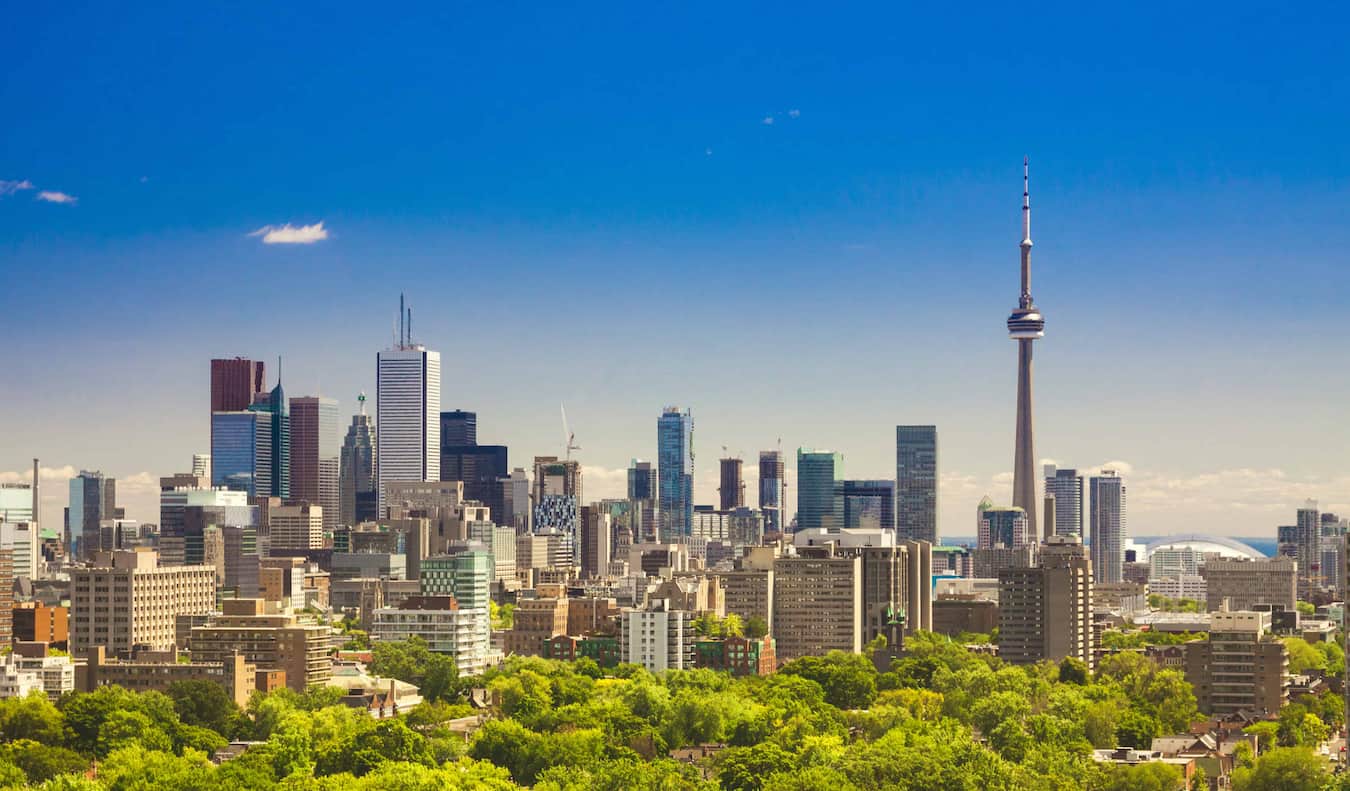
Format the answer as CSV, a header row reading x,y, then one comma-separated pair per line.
x,y
52,196
768,120
794,113
291,234
11,187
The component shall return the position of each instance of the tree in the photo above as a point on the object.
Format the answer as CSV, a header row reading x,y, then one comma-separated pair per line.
x,y
205,704
1150,776
31,717
1073,671
1306,609
732,626
756,628
1302,656
746,768
1300,728
390,740
1285,769
849,680
42,762
1137,729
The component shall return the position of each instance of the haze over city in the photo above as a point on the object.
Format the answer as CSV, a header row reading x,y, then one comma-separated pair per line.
x,y
798,229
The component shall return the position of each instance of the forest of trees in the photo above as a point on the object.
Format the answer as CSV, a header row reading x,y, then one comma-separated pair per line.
x,y
942,718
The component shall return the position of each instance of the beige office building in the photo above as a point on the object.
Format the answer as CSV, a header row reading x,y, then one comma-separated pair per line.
x,y
1247,583
1045,611
817,604
749,594
535,621
127,600
272,641
297,527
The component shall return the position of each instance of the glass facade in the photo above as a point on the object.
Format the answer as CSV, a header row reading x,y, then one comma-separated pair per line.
x,y
275,404
675,473
241,451
820,503
916,483
869,504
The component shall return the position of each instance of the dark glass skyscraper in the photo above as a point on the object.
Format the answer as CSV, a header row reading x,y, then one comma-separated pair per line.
x,y
675,473
478,466
771,480
642,494
93,498
916,483
820,501
1067,487
869,504
731,490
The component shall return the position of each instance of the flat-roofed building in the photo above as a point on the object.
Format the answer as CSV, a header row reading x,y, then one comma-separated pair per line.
x,y
1045,612
446,628
126,600
817,604
1239,668
157,671
1247,583
535,621
271,641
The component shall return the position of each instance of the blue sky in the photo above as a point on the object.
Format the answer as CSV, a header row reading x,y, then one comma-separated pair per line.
x,y
801,225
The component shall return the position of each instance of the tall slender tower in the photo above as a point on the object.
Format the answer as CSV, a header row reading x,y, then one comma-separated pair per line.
x,y
1025,325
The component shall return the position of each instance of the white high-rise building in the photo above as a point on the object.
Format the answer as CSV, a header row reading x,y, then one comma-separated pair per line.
x,y
1067,487
23,541
1107,506
408,412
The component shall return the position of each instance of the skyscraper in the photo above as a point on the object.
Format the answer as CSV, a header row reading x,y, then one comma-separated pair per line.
x,y
916,483
459,427
869,504
1025,325
241,452
1307,541
93,498
234,383
732,488
357,470
315,455
772,486
275,404
408,408
1067,487
1045,611
675,473
820,502
478,466
642,494
1107,505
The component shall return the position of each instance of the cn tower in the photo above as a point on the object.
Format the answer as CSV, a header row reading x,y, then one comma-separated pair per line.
x,y
1025,325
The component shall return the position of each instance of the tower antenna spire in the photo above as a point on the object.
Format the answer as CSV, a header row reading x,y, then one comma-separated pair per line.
x,y
1026,300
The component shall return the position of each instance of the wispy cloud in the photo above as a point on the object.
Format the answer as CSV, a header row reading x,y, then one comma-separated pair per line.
x,y
794,113
11,187
768,120
53,196
291,234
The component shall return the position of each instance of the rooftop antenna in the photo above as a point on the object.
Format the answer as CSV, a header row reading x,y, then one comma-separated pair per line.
x,y
361,400
410,325
400,319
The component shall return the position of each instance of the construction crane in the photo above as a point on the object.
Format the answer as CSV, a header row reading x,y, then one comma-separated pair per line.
x,y
569,438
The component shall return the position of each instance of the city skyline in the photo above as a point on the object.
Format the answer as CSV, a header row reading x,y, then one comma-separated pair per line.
x,y
819,216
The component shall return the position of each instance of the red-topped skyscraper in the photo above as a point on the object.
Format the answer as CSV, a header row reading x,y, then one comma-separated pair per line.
x,y
1025,325
235,382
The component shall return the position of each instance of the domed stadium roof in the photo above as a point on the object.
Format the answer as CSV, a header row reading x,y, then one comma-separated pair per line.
x,y
1226,547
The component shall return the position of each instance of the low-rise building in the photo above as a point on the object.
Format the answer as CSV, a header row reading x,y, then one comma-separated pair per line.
x,y
56,673
535,621
156,671
36,622
604,649
1248,583
1180,586
953,615
740,656
460,633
